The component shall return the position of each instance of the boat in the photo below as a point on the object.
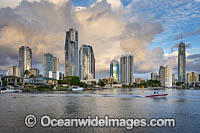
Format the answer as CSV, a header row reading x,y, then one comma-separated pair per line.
x,y
9,90
77,88
157,96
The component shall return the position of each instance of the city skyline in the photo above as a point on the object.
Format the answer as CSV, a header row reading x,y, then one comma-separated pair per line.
x,y
123,32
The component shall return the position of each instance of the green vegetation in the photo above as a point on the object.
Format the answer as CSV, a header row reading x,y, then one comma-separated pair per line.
x,y
145,84
70,80
101,83
180,84
4,82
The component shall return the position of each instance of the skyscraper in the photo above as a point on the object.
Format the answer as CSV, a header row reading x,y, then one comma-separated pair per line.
x,y
181,63
86,63
126,69
165,73
48,64
25,59
114,70
56,64
71,53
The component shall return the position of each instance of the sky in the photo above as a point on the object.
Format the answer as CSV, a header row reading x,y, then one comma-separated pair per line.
x,y
148,29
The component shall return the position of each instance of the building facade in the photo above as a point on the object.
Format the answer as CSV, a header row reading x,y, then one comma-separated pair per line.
x,y
126,69
48,64
25,59
181,63
71,53
56,64
34,72
192,77
14,71
86,63
168,76
56,75
114,70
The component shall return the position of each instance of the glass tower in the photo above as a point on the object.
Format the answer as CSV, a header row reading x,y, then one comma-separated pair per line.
x,y
86,63
114,70
181,63
71,53
48,64
25,59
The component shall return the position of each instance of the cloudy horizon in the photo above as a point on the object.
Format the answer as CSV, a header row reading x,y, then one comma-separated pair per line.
x,y
148,29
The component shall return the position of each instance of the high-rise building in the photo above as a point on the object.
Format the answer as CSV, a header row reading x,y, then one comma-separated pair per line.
x,y
168,76
25,59
48,64
86,63
192,77
56,64
165,73
71,53
126,69
14,71
114,70
181,63
153,76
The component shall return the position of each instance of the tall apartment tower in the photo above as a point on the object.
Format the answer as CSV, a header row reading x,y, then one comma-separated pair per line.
x,y
114,70
165,74
48,64
71,53
86,63
25,59
181,63
126,69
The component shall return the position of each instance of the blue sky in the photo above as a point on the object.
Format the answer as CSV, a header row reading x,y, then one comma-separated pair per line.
x,y
176,17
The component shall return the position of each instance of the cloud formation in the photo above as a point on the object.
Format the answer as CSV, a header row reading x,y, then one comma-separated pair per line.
x,y
107,25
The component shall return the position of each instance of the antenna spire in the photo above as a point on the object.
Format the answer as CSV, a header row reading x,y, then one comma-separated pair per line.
x,y
181,37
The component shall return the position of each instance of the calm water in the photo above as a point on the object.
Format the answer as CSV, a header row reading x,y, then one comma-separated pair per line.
x,y
184,105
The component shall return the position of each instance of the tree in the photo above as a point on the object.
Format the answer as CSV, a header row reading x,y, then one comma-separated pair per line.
x,y
72,80
26,73
101,83
4,82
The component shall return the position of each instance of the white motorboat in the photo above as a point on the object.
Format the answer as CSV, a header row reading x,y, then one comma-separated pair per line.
x,y
77,88
9,90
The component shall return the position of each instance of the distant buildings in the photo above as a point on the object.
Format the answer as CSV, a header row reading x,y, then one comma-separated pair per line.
x,y
71,53
126,69
192,77
56,75
34,72
25,59
154,76
165,73
181,63
86,63
14,71
114,70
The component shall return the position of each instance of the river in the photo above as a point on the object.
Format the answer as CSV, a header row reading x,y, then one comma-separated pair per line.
x,y
183,105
